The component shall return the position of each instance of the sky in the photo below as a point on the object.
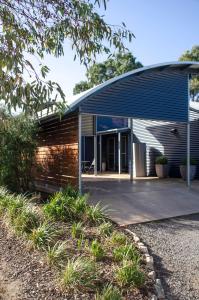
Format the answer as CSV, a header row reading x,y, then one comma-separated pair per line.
x,y
164,29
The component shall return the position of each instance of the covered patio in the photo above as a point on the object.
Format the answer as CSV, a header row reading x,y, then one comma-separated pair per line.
x,y
144,199
148,105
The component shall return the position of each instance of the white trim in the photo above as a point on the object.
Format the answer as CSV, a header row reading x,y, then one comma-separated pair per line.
x,y
131,150
80,151
188,138
119,152
100,141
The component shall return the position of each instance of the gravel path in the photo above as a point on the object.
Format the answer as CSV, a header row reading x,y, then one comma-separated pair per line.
x,y
174,244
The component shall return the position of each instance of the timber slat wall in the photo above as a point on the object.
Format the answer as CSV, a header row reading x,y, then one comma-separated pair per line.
x,y
57,153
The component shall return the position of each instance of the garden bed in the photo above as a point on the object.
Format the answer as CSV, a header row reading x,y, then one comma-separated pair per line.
x,y
66,249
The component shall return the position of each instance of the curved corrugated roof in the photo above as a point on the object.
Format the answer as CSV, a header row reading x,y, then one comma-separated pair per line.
x,y
189,66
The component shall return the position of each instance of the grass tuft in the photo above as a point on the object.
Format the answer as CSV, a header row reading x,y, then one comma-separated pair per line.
x,y
109,292
96,214
26,221
80,273
126,252
105,229
43,235
118,239
96,250
129,274
57,253
77,230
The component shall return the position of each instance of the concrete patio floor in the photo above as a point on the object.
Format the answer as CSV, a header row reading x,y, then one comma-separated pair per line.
x,y
142,200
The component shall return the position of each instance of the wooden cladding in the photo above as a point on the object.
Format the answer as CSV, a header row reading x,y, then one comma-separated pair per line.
x,y
57,154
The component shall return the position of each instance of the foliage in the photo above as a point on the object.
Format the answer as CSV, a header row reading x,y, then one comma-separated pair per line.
x,y
118,238
26,221
95,213
161,160
56,253
77,230
129,274
79,273
105,229
80,263
64,206
17,149
192,55
127,252
112,67
96,250
109,292
43,235
32,29
193,161
70,206
18,212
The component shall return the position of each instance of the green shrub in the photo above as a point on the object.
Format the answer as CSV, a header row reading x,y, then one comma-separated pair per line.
x,y
77,230
71,192
95,213
193,161
129,274
96,250
17,151
118,239
43,235
109,292
26,221
126,252
79,206
5,199
161,160
59,207
57,253
105,229
63,206
79,273
16,205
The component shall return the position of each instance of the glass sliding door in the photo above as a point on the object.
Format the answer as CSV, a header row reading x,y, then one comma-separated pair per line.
x,y
111,154
124,153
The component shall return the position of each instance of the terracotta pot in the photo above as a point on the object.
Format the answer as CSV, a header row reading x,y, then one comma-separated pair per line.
x,y
162,171
183,171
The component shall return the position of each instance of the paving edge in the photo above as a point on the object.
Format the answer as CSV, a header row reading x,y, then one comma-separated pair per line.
x,y
160,294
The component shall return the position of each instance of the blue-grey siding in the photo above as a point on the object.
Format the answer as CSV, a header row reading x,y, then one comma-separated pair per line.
x,y
160,140
153,95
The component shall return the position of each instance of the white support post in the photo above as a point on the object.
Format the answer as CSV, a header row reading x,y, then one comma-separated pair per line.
x,y
188,155
100,141
80,151
95,155
119,152
188,138
131,150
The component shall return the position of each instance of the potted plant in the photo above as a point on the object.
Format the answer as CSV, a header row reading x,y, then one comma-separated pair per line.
x,y
183,168
161,166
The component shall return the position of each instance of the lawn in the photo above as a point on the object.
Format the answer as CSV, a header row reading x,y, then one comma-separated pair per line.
x,y
91,257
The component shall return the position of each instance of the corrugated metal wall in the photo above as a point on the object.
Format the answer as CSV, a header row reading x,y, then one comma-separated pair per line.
x,y
153,95
160,140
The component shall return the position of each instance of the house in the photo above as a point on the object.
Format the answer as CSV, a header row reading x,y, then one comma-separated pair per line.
x,y
121,126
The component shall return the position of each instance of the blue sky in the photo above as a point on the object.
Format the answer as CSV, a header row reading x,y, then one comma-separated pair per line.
x,y
163,30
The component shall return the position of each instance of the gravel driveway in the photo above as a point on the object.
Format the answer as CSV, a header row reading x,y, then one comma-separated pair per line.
x,y
174,244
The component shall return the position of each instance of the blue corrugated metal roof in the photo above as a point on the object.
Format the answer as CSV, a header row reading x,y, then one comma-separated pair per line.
x,y
157,92
189,67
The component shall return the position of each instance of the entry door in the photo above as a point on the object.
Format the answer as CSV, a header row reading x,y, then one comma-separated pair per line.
x,y
124,151
111,153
